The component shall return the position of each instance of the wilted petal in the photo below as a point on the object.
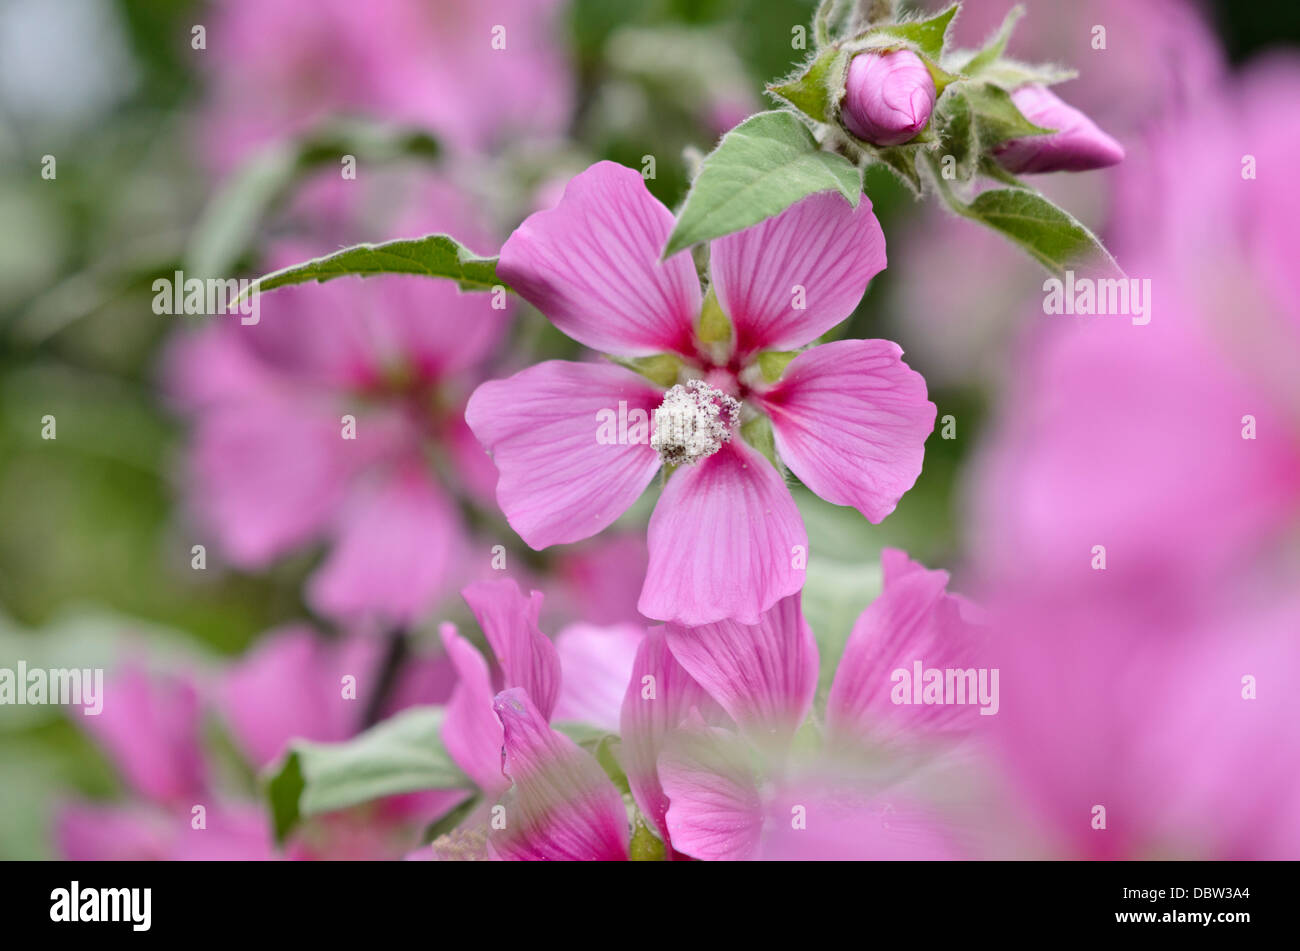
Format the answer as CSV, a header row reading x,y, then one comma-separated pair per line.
x,y
850,418
471,732
591,265
559,482
764,675
563,806
527,657
787,280
660,694
723,541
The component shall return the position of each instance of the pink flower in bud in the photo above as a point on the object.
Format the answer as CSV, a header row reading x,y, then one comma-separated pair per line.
x,y
1077,145
888,97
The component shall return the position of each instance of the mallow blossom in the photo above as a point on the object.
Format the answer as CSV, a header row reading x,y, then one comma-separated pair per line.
x,y
725,540
888,97
710,725
497,730
337,419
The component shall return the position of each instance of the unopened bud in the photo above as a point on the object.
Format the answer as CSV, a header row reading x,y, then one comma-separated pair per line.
x,y
1077,145
888,97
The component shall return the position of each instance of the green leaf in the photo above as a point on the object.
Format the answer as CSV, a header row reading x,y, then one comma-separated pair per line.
x,y
817,90
662,368
1011,75
957,135
399,755
994,49
645,845
759,169
230,221
996,117
925,36
434,255
1052,236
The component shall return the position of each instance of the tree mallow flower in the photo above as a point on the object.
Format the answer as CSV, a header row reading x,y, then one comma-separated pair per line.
x,y
725,540
1076,145
888,97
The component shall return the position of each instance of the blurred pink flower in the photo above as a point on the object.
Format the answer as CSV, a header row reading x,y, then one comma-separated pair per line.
x,y
270,470
849,417
433,63
1137,507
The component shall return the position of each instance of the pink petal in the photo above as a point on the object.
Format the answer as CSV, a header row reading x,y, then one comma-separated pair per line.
x,y
652,711
722,540
821,244
597,662
398,548
290,686
912,620
92,832
602,578
150,727
716,812
558,482
270,475
526,655
471,732
852,826
764,675
591,265
850,419
563,808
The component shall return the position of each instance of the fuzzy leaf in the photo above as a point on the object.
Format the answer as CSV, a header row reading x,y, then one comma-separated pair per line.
x,y
817,91
759,169
434,255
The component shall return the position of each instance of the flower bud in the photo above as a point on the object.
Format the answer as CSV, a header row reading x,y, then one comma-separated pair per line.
x,y
888,97
1077,145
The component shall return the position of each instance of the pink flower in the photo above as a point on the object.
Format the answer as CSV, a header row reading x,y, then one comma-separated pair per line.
x,y
559,803
888,97
1075,145
316,426
1135,516
710,714
274,73
725,541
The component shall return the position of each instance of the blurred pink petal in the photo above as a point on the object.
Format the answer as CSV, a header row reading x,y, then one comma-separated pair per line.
x,y
563,807
397,550
86,832
789,279
722,541
558,482
913,619
597,662
591,265
715,811
850,418
602,578
290,686
150,728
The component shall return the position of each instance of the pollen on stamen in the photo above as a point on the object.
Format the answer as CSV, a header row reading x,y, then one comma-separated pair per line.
x,y
693,422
